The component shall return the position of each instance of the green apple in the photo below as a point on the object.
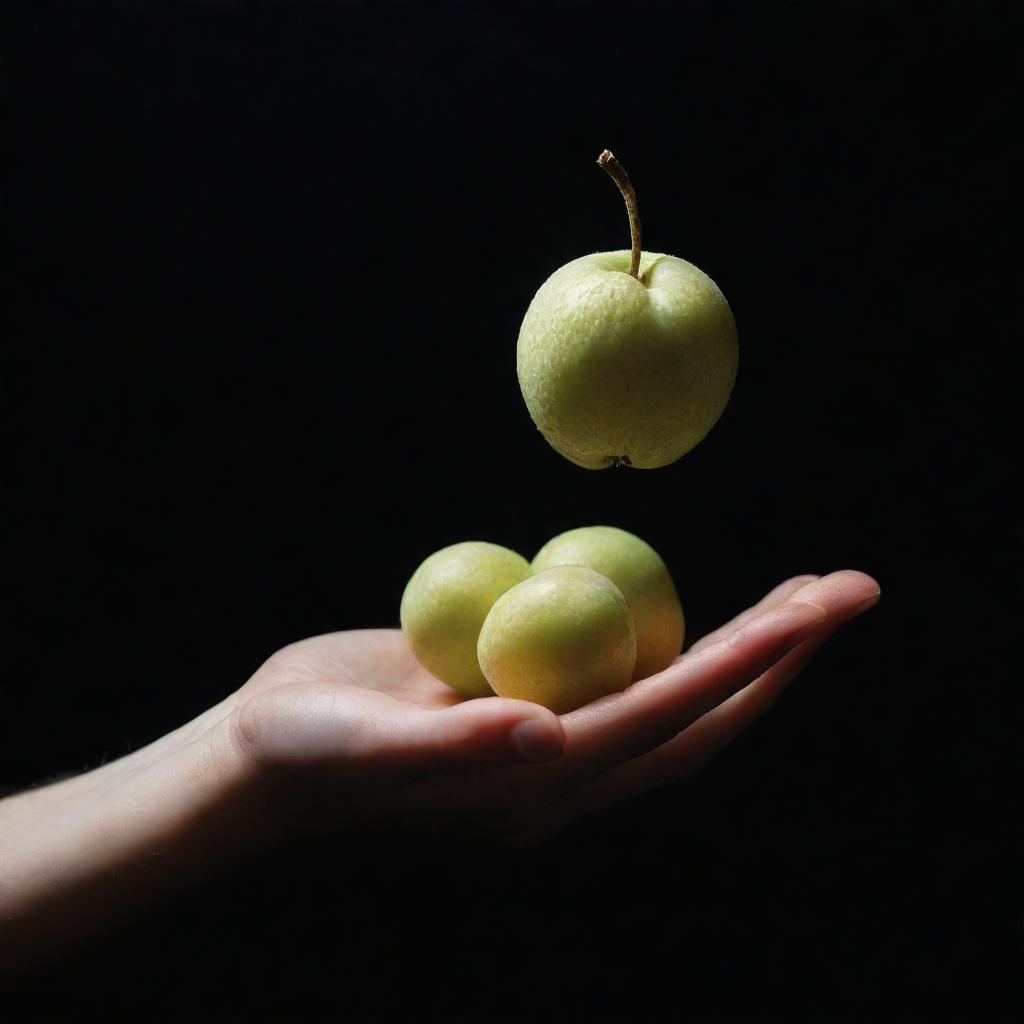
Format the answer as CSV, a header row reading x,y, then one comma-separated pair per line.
x,y
628,357
445,603
561,638
642,576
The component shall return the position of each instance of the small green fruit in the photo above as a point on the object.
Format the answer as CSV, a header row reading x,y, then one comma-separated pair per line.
x,y
642,576
445,603
561,638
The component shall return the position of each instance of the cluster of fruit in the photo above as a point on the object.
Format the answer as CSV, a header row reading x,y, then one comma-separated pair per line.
x,y
624,359
595,610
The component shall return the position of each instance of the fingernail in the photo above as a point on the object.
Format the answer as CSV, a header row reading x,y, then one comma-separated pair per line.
x,y
868,602
536,741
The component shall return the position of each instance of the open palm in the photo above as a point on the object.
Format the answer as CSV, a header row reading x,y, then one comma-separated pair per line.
x,y
354,718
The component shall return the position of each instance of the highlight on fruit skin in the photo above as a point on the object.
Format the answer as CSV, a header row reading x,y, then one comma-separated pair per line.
x,y
562,638
642,576
445,603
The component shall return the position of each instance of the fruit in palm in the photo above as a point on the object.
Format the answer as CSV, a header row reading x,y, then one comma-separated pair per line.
x,y
445,603
561,638
642,576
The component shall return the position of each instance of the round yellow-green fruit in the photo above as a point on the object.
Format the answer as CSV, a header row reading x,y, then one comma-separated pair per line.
x,y
642,576
617,370
561,638
445,603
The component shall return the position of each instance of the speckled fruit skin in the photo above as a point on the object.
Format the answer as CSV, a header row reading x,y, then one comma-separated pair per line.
x,y
642,576
620,370
562,638
445,603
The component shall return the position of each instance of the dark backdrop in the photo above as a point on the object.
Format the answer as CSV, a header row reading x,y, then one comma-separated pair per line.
x,y
269,267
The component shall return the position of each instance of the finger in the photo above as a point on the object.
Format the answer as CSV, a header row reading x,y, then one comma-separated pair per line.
x,y
619,728
462,763
688,752
772,599
462,798
691,749
696,745
483,733
466,795
362,734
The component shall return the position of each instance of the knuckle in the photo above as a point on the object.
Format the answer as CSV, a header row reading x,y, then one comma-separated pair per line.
x,y
249,730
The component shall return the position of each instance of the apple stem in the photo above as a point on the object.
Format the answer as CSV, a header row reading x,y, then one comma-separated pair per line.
x,y
610,163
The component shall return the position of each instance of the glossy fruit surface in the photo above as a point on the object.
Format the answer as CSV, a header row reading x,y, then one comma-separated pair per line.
x,y
620,370
445,603
642,576
561,638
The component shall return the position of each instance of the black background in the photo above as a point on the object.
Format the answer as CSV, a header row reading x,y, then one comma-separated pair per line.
x,y
269,267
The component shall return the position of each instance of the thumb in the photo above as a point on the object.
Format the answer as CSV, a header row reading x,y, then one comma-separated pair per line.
x,y
486,732
361,731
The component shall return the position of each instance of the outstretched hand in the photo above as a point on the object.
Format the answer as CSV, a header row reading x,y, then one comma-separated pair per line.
x,y
348,727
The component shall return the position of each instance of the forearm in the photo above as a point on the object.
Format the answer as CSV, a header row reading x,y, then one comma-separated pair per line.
x,y
76,854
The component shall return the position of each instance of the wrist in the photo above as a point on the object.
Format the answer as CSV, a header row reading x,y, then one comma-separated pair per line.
x,y
77,854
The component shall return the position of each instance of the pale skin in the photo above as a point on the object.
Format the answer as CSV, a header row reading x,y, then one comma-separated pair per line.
x,y
347,731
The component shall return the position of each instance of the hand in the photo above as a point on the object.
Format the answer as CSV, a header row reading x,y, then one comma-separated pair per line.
x,y
348,727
